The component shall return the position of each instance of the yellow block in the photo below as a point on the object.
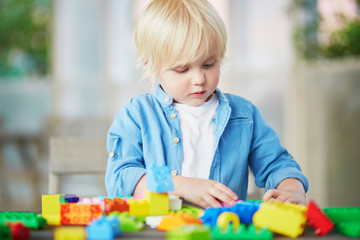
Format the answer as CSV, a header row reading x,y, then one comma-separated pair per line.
x,y
70,233
138,207
225,218
280,218
51,208
159,202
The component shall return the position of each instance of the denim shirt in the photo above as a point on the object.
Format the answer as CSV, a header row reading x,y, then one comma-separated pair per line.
x,y
146,130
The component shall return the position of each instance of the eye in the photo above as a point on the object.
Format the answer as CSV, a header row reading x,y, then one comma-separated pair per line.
x,y
181,70
210,64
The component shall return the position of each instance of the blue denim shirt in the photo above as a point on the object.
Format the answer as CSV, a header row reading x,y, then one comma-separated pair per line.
x,y
144,132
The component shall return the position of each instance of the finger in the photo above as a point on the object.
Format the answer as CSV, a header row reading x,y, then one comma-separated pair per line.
x,y
282,198
271,193
203,204
226,190
290,200
222,196
211,201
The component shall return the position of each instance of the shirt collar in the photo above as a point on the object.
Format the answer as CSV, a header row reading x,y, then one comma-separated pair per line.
x,y
166,100
161,96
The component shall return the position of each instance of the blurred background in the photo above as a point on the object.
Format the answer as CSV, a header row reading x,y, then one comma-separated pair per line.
x,y
67,67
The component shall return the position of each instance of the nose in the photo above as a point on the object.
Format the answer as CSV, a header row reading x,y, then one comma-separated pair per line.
x,y
198,77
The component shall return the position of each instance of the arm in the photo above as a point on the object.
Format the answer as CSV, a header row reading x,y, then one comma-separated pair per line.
x,y
125,164
272,165
202,192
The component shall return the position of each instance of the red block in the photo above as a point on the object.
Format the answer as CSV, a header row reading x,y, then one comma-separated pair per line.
x,y
116,204
19,231
318,219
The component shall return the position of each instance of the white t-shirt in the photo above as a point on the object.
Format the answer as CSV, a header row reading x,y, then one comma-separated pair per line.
x,y
198,137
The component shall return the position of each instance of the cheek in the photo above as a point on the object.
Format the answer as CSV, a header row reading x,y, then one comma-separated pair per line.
x,y
215,75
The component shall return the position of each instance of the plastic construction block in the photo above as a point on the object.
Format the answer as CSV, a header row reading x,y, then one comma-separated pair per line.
x,y
189,232
28,219
245,210
177,220
128,223
194,211
5,232
351,229
346,220
158,178
175,203
116,204
94,200
242,232
105,228
79,214
19,231
211,214
228,218
71,198
139,207
51,208
280,218
339,215
158,203
318,219
153,221
70,233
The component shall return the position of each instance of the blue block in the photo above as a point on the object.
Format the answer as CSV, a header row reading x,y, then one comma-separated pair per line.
x,y
211,215
158,178
245,210
105,228
71,198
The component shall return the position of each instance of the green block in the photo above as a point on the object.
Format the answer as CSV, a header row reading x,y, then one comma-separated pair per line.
x,y
346,220
243,232
351,229
338,215
127,222
194,211
5,232
28,219
62,199
189,232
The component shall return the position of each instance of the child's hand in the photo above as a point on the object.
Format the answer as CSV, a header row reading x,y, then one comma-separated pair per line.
x,y
290,190
203,192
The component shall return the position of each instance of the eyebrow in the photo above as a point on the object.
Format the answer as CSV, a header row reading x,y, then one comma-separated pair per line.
x,y
214,56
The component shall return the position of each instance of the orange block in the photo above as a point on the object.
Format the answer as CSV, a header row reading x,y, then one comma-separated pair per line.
x,y
116,204
78,214
176,220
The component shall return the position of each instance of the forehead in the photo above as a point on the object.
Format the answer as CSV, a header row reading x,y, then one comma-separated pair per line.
x,y
202,53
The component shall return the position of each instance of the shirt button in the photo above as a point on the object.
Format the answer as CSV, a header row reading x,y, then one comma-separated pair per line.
x,y
176,140
112,154
174,172
173,115
167,99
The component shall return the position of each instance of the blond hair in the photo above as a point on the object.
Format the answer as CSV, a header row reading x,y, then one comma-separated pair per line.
x,y
172,33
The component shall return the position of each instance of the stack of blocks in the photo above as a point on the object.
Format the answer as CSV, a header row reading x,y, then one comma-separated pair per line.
x,y
156,198
58,211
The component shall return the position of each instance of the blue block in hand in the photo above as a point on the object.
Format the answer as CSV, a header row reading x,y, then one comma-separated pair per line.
x,y
158,178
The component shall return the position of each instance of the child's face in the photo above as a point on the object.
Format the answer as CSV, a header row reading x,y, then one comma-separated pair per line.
x,y
193,83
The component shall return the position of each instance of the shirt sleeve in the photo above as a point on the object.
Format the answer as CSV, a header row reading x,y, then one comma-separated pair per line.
x,y
125,163
269,161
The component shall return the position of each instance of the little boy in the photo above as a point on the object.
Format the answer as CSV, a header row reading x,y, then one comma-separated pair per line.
x,y
207,138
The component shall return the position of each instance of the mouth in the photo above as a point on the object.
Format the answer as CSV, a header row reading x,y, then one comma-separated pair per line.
x,y
198,93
